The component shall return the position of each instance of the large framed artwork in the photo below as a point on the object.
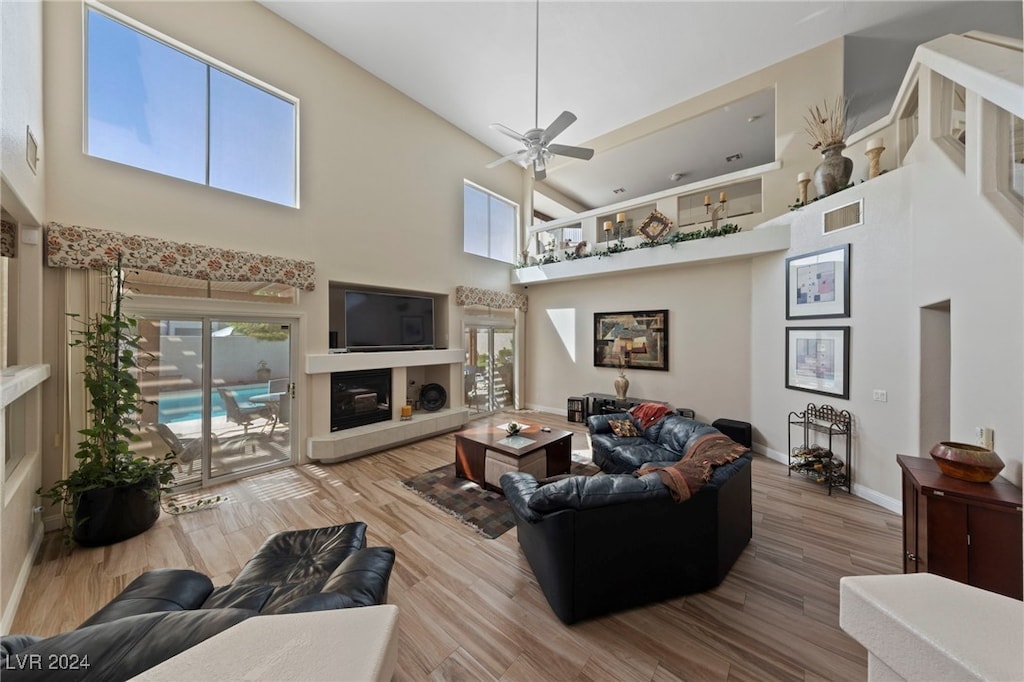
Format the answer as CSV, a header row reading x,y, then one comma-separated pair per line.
x,y
818,360
638,340
818,284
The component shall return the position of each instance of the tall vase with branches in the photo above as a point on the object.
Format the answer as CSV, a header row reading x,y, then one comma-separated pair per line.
x,y
105,460
827,127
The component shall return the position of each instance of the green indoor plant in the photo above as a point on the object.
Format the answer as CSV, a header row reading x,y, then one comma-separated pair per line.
x,y
113,493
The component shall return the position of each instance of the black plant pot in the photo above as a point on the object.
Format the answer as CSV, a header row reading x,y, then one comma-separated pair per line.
x,y
108,515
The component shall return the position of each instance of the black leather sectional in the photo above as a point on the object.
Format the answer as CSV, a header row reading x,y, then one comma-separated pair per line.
x,y
611,542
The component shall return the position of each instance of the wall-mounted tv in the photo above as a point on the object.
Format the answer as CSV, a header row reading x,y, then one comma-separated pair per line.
x,y
377,321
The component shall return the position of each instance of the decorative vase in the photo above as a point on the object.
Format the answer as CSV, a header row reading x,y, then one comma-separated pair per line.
x,y
621,386
966,462
834,171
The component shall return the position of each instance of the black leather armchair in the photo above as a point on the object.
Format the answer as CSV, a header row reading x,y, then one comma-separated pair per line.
x,y
607,543
166,611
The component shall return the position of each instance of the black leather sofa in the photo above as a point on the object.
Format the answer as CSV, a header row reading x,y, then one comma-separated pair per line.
x,y
611,542
664,442
166,611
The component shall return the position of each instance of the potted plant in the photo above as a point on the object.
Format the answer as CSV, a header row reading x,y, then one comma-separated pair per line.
x,y
113,494
262,371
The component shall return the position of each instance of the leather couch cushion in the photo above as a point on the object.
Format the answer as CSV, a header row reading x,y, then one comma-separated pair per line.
x,y
120,649
588,492
302,556
677,433
163,589
239,597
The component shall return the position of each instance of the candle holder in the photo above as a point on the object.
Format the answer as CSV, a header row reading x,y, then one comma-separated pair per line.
x,y
715,212
803,182
874,154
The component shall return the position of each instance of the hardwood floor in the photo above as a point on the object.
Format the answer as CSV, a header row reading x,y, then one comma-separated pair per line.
x,y
470,607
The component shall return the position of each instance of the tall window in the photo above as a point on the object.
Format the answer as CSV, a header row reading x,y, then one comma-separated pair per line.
x,y
164,108
489,224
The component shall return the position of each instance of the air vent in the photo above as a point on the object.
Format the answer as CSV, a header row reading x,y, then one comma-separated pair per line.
x,y
843,217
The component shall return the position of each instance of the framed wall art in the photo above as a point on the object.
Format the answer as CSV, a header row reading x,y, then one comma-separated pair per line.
x,y
637,340
818,360
818,284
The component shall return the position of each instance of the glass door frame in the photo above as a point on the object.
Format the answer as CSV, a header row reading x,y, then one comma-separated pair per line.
x,y
491,326
206,310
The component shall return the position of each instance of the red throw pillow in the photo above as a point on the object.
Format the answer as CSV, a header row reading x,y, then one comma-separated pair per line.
x,y
623,428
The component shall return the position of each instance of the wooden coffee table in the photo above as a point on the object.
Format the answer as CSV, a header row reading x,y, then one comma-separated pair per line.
x,y
473,443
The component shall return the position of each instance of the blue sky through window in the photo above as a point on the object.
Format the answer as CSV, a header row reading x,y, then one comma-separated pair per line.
x,y
147,107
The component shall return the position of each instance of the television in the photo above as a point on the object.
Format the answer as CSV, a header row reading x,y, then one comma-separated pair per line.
x,y
377,321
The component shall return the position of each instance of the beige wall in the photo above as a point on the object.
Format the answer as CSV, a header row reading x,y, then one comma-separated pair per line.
x,y
381,176
708,344
927,238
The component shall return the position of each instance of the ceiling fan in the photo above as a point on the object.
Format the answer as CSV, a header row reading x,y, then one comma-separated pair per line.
x,y
538,149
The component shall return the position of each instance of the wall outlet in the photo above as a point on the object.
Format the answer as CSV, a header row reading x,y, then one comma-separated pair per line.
x,y
880,395
984,437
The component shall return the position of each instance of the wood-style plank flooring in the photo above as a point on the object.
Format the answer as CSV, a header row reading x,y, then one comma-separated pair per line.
x,y
470,608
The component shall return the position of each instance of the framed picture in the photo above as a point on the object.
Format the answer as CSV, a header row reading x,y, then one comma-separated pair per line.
x,y
818,360
638,340
818,284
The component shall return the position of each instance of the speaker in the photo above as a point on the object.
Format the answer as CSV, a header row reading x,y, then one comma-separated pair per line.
x,y
433,397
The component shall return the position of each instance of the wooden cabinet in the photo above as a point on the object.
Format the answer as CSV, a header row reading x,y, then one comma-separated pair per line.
x,y
969,532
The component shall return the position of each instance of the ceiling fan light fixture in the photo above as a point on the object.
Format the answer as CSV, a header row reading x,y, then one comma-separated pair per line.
x,y
537,141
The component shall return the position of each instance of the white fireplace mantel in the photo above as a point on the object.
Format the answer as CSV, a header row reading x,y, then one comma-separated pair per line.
x,y
324,363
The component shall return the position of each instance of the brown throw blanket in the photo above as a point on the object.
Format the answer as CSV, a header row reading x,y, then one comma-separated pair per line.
x,y
688,475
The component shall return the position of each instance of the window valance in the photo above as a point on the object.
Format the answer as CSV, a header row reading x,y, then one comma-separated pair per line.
x,y
85,247
8,239
490,298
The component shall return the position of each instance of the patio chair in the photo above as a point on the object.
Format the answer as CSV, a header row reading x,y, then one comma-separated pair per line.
x,y
244,413
188,453
284,404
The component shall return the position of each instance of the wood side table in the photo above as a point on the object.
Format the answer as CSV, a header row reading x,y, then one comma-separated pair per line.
x,y
965,531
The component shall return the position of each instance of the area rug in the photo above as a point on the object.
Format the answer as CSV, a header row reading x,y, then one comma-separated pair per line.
x,y
483,510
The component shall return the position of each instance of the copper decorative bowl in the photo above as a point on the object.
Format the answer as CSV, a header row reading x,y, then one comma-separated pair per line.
x,y
966,462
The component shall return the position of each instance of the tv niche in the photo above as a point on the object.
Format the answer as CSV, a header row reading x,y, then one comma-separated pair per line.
x,y
377,321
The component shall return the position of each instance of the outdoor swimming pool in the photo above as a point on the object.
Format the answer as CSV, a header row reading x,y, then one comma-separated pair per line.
x,y
179,406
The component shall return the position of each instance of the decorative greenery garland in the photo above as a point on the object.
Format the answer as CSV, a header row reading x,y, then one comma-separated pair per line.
x,y
620,246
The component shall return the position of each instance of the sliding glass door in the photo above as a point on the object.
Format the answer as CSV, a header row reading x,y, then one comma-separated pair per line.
x,y
219,394
490,369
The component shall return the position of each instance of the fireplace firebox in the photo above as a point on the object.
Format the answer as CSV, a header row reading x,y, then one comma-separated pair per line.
x,y
359,398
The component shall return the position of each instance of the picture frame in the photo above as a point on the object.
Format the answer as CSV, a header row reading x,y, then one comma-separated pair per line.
x,y
632,340
818,360
818,284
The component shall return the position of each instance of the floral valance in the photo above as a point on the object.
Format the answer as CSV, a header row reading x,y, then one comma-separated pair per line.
x,y
85,247
8,239
489,298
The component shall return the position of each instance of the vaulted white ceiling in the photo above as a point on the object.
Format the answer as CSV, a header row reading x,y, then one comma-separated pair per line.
x,y
611,63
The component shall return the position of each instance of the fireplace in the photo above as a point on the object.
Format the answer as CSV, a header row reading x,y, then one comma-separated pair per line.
x,y
359,398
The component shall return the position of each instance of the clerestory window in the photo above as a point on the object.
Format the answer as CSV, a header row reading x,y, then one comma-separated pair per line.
x,y
155,104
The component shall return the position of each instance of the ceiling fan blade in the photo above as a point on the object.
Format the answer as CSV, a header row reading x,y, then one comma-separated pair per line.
x,y
575,152
564,120
508,157
505,130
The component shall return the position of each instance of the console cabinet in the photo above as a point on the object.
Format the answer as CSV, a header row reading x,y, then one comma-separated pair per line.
x,y
965,531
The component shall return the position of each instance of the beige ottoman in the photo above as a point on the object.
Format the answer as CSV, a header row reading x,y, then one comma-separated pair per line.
x,y
498,463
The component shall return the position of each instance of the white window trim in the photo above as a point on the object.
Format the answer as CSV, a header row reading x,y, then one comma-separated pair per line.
x,y
515,221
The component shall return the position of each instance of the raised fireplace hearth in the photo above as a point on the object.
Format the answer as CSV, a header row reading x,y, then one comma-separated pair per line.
x,y
360,397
